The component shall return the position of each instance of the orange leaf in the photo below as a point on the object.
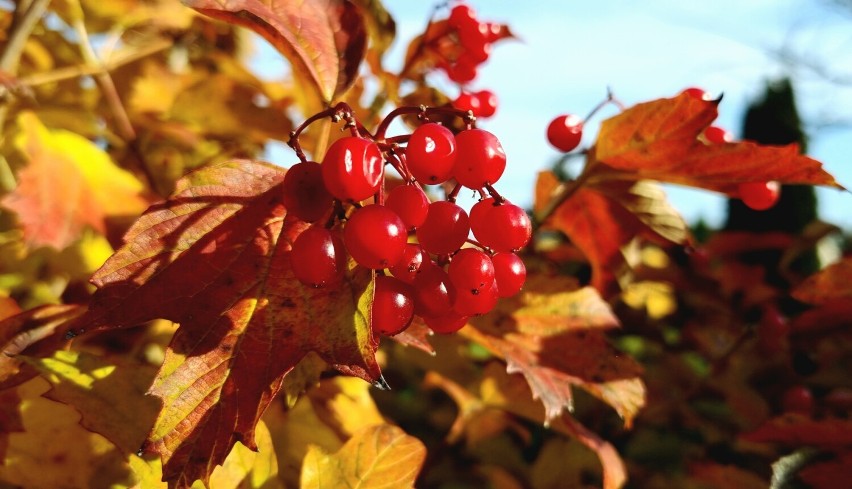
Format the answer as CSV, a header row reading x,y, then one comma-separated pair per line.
x,y
69,183
216,259
325,40
830,284
554,337
658,140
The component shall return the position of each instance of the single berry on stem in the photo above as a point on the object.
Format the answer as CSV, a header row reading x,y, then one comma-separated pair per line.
x,y
318,257
510,273
487,103
471,270
445,229
375,236
393,305
565,132
305,195
353,168
431,154
480,159
760,195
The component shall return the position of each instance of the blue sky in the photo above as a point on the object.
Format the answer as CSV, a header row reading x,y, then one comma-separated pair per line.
x,y
570,52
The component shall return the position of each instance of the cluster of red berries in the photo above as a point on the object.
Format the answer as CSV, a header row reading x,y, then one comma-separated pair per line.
x,y
474,38
756,195
426,264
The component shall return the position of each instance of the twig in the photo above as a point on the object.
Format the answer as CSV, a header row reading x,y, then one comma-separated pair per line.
x,y
26,17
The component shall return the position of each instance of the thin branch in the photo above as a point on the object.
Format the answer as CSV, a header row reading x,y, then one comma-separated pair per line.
x,y
22,27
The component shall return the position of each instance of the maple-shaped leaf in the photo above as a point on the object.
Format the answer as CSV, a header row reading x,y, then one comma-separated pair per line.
x,y
325,40
36,332
603,217
828,285
378,456
658,140
215,258
796,429
68,183
553,334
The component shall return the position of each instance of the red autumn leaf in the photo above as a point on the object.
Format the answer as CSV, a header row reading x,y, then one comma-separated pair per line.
x,y
325,40
658,140
553,334
828,474
796,429
215,258
34,332
828,285
416,335
603,217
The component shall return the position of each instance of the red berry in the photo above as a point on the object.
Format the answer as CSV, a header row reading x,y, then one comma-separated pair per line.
x,y
565,132
353,168
511,227
468,303
473,36
318,257
460,15
393,305
445,229
480,159
471,270
487,103
495,31
509,273
478,51
431,154
409,203
717,135
305,195
696,92
434,294
479,222
468,102
798,399
413,258
760,195
463,70
446,324
375,236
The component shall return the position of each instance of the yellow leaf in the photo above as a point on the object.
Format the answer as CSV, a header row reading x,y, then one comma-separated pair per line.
x,y
378,456
245,469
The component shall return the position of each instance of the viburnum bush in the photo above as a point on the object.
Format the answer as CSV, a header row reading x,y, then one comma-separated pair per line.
x,y
175,312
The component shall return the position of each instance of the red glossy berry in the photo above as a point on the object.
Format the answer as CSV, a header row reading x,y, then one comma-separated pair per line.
x,y
798,399
480,159
393,305
445,229
717,135
463,70
509,273
434,294
447,324
409,203
473,37
318,257
413,258
431,154
511,228
461,15
468,303
479,222
353,168
468,102
565,132
305,195
696,92
375,236
495,31
487,103
471,270
760,195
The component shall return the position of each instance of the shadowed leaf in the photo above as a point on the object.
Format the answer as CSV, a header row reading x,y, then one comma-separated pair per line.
x,y
68,183
796,429
215,258
325,40
828,285
378,456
